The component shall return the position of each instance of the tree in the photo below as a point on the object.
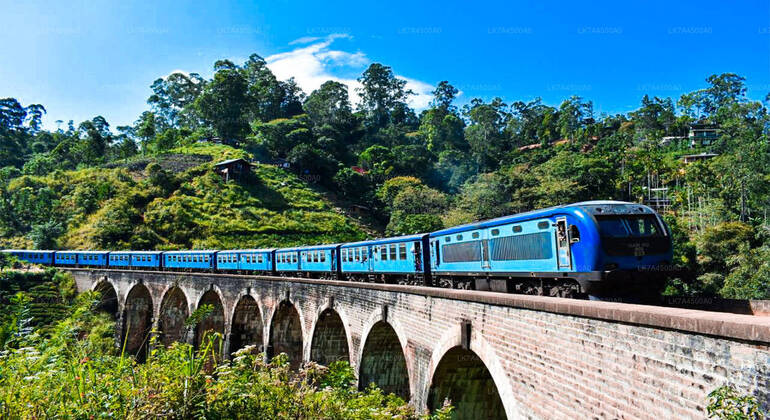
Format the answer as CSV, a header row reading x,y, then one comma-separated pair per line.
x,y
378,160
93,146
173,96
748,277
441,125
145,129
352,185
573,116
312,164
416,209
44,235
330,104
392,187
280,136
443,96
485,132
224,100
382,95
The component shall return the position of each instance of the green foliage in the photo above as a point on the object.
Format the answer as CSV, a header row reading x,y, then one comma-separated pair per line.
x,y
392,187
726,403
74,371
748,278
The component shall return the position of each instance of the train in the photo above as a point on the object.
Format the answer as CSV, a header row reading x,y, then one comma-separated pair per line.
x,y
593,249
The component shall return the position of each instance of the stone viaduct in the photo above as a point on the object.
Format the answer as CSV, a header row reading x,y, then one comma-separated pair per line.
x,y
494,355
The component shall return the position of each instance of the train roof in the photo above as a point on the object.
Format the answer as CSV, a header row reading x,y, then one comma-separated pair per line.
x,y
308,247
590,207
137,252
394,239
249,250
194,251
27,250
75,251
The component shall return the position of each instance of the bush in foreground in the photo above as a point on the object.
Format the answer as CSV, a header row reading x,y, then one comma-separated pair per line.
x,y
75,371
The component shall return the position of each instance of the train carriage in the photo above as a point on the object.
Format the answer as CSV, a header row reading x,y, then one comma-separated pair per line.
x,y
120,259
66,258
401,259
92,258
146,259
259,260
189,260
228,260
319,259
287,261
32,256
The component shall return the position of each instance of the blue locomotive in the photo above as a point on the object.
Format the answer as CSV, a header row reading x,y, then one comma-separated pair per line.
x,y
596,248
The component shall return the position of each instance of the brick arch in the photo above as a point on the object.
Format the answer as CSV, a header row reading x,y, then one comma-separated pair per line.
x,y
137,320
286,334
464,379
452,339
215,321
247,324
387,363
330,340
108,301
172,314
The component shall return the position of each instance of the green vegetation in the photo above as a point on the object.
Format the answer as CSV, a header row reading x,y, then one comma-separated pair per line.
x,y
726,403
150,185
141,205
59,360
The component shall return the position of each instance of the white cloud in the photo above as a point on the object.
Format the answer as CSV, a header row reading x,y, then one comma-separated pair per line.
x,y
304,40
315,62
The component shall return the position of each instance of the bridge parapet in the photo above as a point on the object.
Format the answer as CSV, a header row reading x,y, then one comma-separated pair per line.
x,y
497,354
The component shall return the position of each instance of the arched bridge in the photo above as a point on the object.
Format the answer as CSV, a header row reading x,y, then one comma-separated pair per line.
x,y
494,355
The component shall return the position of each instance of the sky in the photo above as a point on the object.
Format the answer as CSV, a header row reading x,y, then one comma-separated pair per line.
x,y
85,58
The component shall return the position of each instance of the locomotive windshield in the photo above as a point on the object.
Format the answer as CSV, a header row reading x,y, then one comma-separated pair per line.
x,y
632,235
629,226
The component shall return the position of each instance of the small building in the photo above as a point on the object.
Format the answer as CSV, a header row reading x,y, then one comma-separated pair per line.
x,y
359,210
233,169
698,157
703,134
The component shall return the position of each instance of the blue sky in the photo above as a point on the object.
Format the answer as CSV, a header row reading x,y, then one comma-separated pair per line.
x,y
86,58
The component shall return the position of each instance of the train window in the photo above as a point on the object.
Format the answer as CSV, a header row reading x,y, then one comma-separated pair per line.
x,y
402,251
384,252
392,251
459,237
364,254
543,225
517,229
344,255
259,258
323,256
475,235
495,232
448,239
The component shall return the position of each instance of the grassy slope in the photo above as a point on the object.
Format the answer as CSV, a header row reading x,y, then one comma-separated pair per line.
x,y
273,208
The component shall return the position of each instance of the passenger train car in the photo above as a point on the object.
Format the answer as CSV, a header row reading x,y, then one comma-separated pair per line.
x,y
597,248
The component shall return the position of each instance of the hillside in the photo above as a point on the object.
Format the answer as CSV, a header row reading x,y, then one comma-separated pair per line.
x,y
175,201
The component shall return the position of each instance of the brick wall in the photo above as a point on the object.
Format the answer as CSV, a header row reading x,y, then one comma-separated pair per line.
x,y
547,357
